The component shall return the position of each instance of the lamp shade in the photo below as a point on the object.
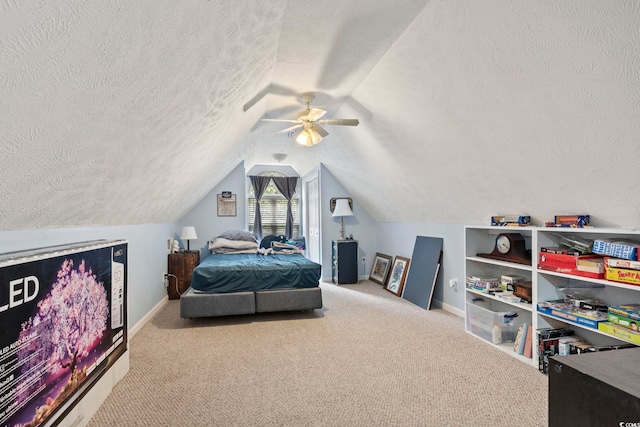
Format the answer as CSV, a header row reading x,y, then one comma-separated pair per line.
x,y
342,208
188,233
309,137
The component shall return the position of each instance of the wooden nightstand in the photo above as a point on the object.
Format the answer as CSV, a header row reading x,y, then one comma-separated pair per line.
x,y
181,265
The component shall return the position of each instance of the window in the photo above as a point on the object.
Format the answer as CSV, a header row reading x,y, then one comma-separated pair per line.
x,y
273,207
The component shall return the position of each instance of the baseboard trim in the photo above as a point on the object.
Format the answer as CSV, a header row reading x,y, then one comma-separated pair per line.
x,y
447,307
136,328
330,279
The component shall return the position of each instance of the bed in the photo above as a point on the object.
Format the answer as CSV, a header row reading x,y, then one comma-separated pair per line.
x,y
239,277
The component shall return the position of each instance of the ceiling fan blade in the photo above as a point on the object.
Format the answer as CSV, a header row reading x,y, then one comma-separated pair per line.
x,y
289,129
315,114
320,131
280,121
340,122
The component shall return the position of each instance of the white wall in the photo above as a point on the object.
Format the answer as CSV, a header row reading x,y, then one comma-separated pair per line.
x,y
204,216
147,257
399,238
361,225
388,238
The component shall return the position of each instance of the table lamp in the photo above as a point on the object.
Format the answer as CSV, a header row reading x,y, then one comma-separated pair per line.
x,y
188,233
342,209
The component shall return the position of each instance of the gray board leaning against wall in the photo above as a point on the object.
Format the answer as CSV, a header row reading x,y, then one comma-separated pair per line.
x,y
423,272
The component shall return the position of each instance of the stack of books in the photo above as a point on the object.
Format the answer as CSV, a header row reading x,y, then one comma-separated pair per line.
x,y
522,343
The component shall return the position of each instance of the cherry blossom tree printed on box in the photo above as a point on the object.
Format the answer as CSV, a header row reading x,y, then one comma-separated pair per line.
x,y
69,322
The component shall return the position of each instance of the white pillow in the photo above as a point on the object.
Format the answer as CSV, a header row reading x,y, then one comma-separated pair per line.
x,y
238,235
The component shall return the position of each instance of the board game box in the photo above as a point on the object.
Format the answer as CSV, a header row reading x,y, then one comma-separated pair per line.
x,y
620,332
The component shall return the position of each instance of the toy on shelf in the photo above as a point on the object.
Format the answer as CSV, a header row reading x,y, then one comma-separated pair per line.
x,y
511,220
575,221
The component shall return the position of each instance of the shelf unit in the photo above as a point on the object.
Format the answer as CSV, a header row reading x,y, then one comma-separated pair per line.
x,y
612,293
481,239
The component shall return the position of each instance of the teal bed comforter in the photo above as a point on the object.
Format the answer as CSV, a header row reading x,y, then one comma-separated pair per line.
x,y
223,273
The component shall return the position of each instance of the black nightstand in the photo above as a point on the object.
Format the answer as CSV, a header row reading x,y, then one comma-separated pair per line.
x,y
344,262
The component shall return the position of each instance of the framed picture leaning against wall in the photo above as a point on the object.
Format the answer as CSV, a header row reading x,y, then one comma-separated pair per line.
x,y
380,268
397,275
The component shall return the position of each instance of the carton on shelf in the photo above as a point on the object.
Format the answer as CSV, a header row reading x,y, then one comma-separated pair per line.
x,y
622,275
627,310
483,284
567,263
561,310
620,332
508,280
623,321
616,248
510,220
622,263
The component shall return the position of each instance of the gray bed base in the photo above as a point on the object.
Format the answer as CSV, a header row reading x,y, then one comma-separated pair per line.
x,y
193,304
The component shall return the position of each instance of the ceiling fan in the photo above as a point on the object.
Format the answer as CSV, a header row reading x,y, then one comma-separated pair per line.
x,y
307,130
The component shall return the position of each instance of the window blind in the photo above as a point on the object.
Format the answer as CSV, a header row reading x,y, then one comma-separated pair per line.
x,y
274,215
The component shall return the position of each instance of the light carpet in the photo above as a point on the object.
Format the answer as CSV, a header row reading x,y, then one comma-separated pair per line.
x,y
367,358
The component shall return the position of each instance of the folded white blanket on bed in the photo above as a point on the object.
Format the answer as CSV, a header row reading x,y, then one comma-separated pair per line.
x,y
221,242
234,251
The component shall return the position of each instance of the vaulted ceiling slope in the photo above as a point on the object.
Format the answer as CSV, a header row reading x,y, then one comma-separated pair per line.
x,y
131,112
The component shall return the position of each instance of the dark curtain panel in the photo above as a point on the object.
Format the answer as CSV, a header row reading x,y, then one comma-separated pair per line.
x,y
287,186
259,184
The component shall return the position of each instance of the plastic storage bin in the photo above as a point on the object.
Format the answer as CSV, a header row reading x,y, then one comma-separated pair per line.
x,y
496,327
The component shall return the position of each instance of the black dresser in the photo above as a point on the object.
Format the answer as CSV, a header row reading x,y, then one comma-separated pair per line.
x,y
344,262
595,389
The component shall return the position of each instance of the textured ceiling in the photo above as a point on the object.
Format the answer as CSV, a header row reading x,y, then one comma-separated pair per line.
x,y
131,112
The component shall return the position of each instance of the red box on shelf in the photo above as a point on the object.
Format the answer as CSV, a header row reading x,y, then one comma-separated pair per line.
x,y
568,264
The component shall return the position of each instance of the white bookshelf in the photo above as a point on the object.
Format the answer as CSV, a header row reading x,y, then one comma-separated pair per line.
x,y
481,239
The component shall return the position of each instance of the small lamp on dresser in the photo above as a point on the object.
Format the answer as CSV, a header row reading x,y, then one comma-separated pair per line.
x,y
188,233
341,210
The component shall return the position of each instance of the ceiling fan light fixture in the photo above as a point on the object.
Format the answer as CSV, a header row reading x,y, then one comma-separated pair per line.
x,y
315,136
279,156
304,138
308,137
306,128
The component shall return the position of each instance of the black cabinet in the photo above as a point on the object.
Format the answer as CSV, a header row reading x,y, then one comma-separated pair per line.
x,y
595,389
344,261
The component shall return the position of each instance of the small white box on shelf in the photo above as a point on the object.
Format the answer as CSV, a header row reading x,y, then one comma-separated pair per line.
x,y
564,345
508,280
